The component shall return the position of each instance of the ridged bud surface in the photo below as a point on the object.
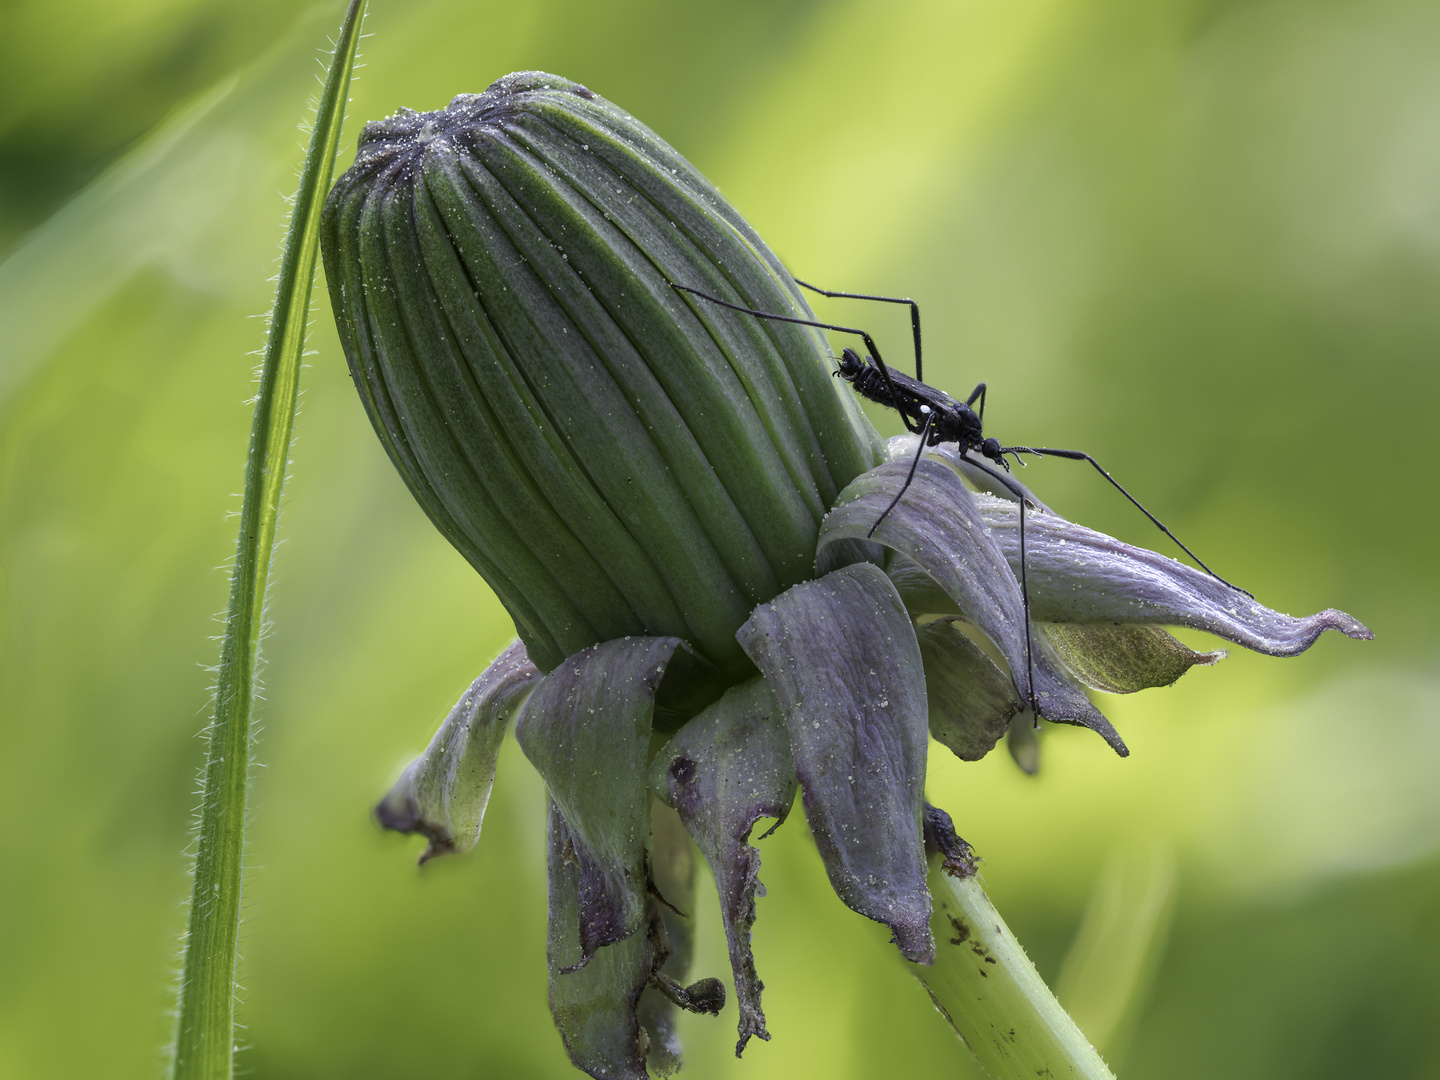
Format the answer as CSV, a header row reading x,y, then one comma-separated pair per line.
x,y
614,458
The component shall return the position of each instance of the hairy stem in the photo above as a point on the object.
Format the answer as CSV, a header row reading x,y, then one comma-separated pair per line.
x,y
204,1042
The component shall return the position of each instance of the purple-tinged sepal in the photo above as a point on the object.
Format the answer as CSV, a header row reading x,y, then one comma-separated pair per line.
x,y
586,729
1078,575
938,528
443,793
841,656
971,699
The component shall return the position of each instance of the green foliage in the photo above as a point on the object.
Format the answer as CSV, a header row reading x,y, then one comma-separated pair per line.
x,y
1199,240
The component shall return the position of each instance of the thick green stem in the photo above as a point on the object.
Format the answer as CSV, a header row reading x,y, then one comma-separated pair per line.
x,y
986,987
204,1039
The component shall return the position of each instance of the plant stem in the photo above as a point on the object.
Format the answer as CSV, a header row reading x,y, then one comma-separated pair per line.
x,y
986,987
204,1042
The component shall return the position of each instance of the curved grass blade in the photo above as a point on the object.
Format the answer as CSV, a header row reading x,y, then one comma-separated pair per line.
x,y
204,1043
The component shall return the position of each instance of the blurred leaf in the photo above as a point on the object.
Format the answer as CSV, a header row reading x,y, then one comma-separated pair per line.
x,y
1107,972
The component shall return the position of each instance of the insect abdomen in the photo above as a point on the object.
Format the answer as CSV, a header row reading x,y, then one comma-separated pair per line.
x,y
869,383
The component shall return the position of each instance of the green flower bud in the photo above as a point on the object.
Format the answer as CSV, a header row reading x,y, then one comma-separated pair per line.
x,y
614,457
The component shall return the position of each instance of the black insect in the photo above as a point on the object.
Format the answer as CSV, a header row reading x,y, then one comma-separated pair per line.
x,y
939,418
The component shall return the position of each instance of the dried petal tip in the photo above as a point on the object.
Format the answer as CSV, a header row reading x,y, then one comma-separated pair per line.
x,y
443,793
1078,575
959,857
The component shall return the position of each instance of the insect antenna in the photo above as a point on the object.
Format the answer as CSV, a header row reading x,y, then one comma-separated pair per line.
x,y
1080,455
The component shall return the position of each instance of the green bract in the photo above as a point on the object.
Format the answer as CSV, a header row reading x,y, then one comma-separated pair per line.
x,y
612,457
681,510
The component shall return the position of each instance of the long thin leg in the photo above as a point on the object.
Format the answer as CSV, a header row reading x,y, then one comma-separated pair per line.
x,y
978,392
914,312
869,341
1025,602
1080,455
914,464
1019,493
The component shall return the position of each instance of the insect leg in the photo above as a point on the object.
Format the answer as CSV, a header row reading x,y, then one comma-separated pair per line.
x,y
1019,493
914,312
1079,455
978,392
914,464
869,341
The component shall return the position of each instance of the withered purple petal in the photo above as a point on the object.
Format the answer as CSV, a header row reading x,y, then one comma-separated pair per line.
x,y
725,770
1077,575
841,655
958,859
1121,659
594,1004
937,526
443,793
971,699
586,729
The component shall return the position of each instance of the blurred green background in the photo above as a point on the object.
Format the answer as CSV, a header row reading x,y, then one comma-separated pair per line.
x,y
1198,238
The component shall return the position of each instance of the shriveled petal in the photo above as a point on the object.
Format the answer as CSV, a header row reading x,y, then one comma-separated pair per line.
x,y
971,700
1122,659
725,770
937,527
841,655
586,729
442,794
594,1004
1077,575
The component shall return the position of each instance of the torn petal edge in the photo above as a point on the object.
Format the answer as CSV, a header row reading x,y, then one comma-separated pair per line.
x,y
595,1005
725,770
